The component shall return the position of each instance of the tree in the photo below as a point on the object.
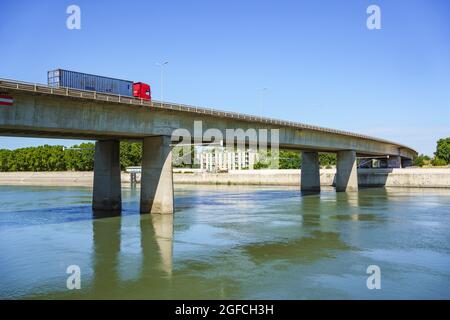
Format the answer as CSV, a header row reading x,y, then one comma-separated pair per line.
x,y
286,160
293,160
327,159
42,158
289,160
130,154
443,150
421,160
438,162
80,157
4,159
260,165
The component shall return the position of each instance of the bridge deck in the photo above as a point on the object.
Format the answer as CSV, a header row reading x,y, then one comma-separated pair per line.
x,y
8,84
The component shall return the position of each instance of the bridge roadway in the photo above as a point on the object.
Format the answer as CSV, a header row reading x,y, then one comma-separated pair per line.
x,y
42,111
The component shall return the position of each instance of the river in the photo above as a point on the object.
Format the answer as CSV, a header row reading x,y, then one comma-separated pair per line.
x,y
227,242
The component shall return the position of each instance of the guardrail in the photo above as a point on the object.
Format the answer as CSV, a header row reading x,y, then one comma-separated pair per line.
x,y
133,169
100,96
70,92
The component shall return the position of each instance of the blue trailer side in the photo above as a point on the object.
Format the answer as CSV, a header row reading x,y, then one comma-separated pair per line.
x,y
85,81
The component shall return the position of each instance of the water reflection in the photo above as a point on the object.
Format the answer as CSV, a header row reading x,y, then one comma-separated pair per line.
x,y
159,228
306,249
106,231
356,206
310,209
223,243
156,234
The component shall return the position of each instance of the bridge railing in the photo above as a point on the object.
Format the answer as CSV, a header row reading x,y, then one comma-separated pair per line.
x,y
71,92
100,96
80,93
87,94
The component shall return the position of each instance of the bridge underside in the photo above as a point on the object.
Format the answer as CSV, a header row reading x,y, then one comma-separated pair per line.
x,y
96,136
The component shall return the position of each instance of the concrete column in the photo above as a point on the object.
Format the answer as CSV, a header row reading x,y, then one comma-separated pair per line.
x,y
310,173
394,162
107,192
157,179
406,162
346,173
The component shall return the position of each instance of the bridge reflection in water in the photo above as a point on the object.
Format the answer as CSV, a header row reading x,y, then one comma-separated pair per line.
x,y
228,242
156,233
318,237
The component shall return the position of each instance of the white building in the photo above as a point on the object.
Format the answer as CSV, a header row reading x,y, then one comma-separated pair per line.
x,y
220,159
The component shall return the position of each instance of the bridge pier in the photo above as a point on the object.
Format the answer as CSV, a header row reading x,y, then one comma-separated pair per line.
x,y
107,191
394,162
406,162
346,172
310,173
156,178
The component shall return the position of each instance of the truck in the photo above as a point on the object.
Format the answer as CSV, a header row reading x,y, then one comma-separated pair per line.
x,y
85,81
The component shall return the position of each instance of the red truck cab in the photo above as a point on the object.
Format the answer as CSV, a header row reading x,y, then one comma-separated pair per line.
x,y
142,90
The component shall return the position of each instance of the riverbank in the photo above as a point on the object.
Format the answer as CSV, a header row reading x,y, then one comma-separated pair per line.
x,y
408,177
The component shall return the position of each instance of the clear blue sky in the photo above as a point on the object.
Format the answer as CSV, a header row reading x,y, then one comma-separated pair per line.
x,y
319,61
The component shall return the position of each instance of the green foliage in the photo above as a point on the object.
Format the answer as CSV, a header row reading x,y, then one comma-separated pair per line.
x,y
327,160
286,160
265,161
80,157
42,158
57,158
438,162
290,160
293,160
4,159
130,154
421,160
443,151
260,165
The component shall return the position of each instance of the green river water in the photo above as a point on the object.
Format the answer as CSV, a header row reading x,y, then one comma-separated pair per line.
x,y
227,243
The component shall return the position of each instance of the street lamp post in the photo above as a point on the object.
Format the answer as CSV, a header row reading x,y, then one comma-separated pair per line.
x,y
161,65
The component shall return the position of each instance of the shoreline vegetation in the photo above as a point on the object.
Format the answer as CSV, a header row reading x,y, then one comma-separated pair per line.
x,y
81,158
48,158
408,177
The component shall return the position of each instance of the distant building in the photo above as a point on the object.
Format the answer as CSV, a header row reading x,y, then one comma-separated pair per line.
x,y
219,159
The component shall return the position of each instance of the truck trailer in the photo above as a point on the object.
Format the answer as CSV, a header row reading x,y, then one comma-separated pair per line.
x,y
84,81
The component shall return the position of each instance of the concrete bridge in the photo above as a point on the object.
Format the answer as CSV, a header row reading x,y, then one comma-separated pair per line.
x,y
43,111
